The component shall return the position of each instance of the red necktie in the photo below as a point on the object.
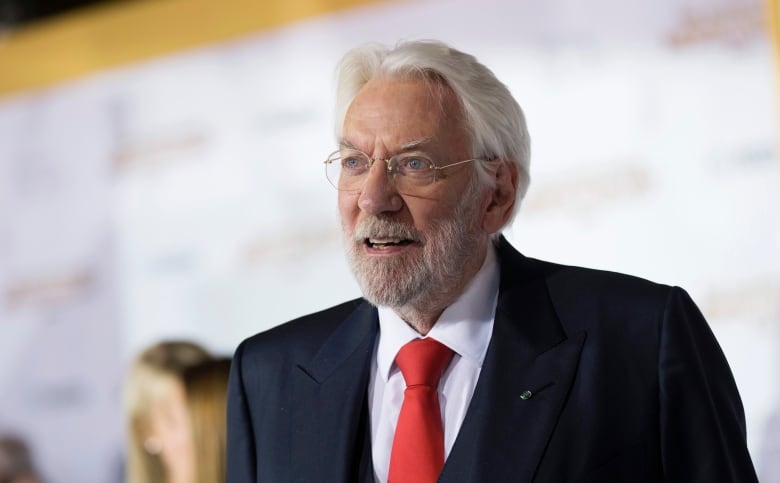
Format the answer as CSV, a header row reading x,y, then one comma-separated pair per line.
x,y
418,445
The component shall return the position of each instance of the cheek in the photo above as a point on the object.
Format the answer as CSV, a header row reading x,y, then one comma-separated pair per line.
x,y
348,209
172,425
426,213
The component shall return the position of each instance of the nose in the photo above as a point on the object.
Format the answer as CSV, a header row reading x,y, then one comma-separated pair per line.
x,y
379,194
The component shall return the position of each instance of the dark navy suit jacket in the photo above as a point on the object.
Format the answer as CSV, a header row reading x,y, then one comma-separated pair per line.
x,y
627,384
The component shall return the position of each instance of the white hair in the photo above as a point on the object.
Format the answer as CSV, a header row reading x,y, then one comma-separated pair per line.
x,y
493,119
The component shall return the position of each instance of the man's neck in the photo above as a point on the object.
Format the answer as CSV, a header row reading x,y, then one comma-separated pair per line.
x,y
419,320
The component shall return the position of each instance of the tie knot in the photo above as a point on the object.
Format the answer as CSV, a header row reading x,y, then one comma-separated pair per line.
x,y
422,361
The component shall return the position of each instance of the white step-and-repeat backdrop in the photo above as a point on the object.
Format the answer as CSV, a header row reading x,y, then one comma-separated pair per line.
x,y
185,197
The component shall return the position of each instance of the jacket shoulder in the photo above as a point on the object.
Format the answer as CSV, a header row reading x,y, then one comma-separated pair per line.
x,y
591,298
602,283
302,335
583,294
519,270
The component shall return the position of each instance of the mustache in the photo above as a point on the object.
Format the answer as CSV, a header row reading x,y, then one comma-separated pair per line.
x,y
374,227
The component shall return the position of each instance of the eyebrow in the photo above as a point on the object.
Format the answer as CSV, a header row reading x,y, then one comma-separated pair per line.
x,y
407,146
346,144
415,144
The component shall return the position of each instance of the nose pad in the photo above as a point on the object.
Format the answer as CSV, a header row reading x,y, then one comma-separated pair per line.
x,y
383,164
379,172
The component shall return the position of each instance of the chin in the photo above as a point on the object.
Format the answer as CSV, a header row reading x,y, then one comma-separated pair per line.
x,y
392,281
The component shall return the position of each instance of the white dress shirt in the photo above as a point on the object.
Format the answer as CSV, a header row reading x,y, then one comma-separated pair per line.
x,y
465,327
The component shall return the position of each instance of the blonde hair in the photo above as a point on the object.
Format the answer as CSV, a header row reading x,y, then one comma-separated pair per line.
x,y
205,386
153,376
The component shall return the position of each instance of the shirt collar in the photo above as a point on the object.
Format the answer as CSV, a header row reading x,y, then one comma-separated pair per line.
x,y
465,326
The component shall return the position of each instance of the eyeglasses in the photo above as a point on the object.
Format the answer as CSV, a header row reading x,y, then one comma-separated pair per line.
x,y
347,170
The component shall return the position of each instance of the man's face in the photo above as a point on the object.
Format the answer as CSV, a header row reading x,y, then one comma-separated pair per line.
x,y
411,248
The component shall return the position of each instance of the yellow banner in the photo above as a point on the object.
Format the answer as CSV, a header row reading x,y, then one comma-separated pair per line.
x,y
106,36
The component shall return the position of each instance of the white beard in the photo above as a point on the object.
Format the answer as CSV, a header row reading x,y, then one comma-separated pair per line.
x,y
417,280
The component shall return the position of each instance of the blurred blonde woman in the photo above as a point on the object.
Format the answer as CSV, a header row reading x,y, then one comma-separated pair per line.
x,y
205,388
160,445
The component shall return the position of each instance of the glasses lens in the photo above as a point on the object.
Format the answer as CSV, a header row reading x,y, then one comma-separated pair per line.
x,y
333,169
412,170
347,170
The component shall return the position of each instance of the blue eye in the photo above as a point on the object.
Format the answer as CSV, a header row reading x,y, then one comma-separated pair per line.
x,y
353,163
415,163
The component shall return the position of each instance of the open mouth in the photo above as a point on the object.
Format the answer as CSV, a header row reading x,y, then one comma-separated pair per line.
x,y
385,243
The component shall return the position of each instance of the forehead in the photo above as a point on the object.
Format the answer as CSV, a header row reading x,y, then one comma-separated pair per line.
x,y
395,112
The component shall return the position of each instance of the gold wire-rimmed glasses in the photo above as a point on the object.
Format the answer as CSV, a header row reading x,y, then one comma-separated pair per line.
x,y
347,169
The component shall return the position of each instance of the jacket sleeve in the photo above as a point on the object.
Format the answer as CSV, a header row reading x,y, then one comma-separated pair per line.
x,y
702,421
241,460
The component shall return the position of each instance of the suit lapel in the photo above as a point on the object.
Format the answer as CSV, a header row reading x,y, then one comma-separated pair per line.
x,y
506,429
329,412
505,432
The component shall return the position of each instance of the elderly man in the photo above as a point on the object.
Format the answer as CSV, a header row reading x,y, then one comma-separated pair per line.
x,y
466,361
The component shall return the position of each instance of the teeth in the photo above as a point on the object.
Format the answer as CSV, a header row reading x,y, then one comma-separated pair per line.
x,y
384,241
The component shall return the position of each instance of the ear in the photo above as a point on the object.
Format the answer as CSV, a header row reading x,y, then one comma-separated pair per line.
x,y
501,199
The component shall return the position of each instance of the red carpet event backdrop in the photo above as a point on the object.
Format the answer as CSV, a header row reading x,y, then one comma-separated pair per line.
x,y
177,190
